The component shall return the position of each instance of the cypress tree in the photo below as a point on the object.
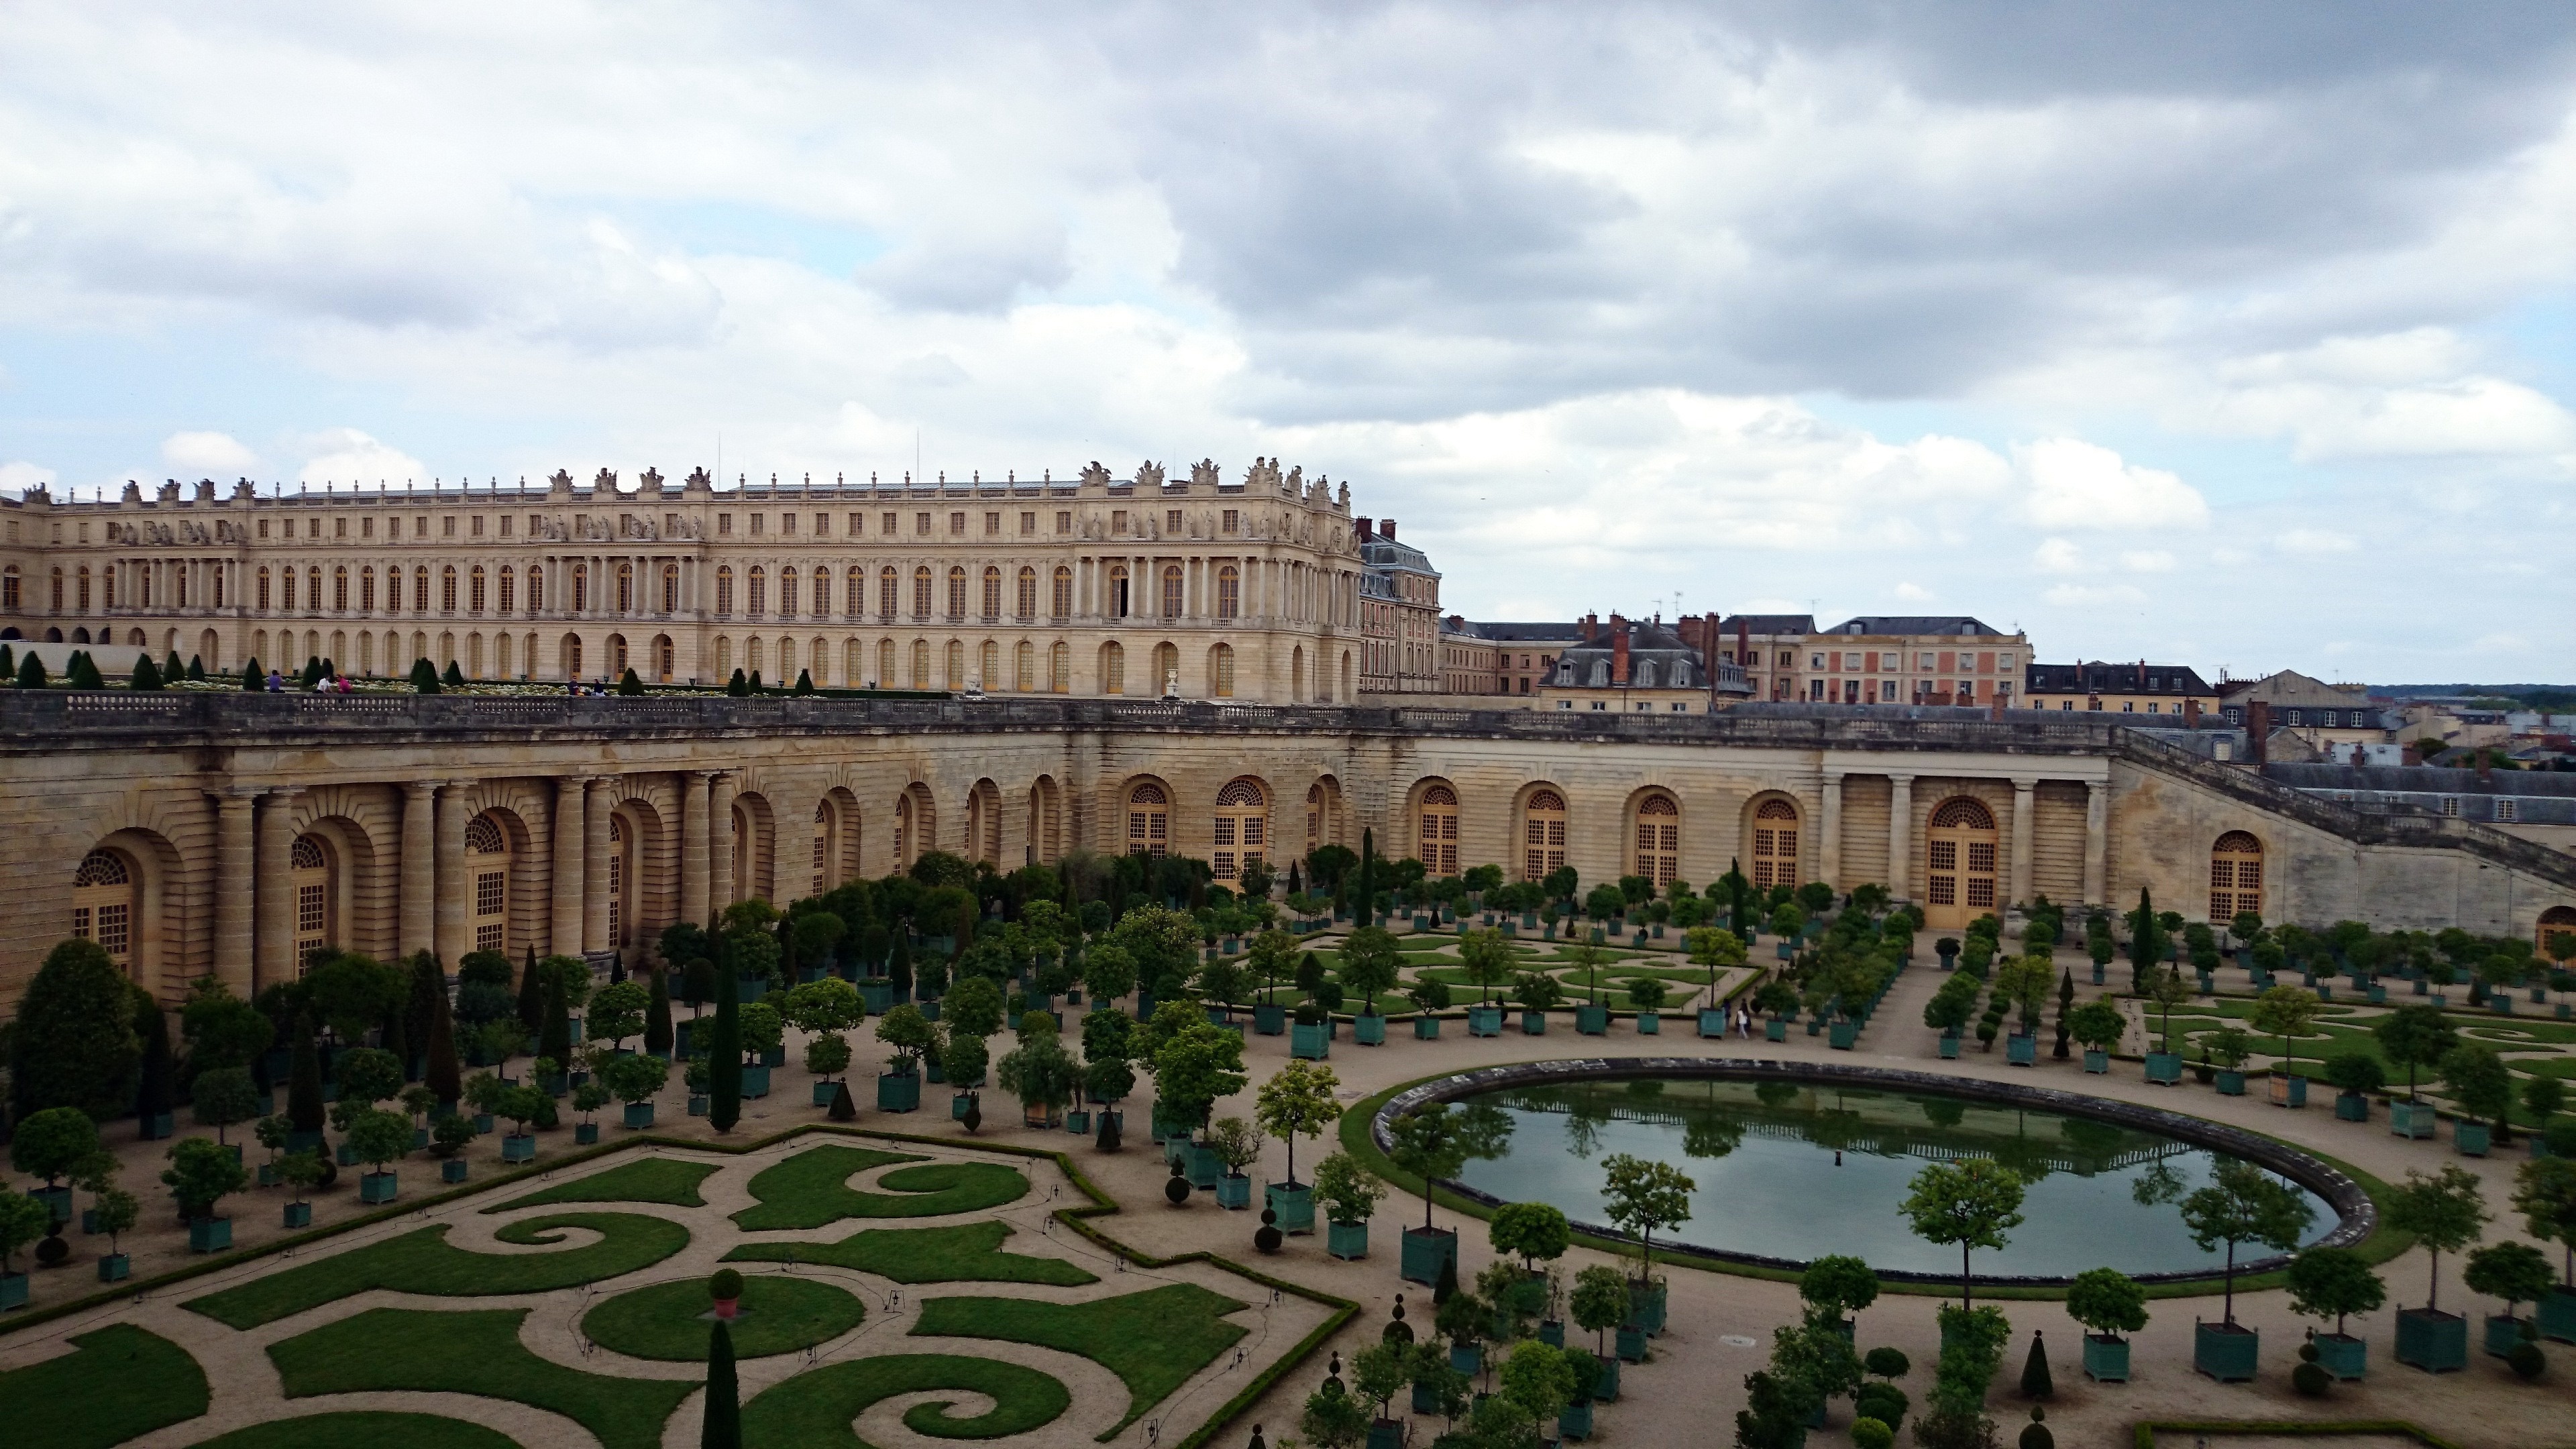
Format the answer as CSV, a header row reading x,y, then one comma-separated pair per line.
x,y
724,1054
160,1072
657,1015
252,680
1447,1287
532,995
556,1040
329,670
736,686
147,675
454,678
723,1429
172,671
197,668
304,1084
804,681
31,672
424,677
442,1075
900,972
394,1038
8,660
312,671
428,992
755,681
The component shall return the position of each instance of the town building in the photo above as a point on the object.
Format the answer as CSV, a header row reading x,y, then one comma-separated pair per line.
x,y
2320,716
1399,613
1878,659
1639,666
2140,688
1083,586
1513,659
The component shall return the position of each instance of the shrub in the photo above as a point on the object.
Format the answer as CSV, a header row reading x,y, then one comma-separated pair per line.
x,y
2035,1434
2311,1380
726,1283
2527,1361
1888,1363
1869,1433
75,1044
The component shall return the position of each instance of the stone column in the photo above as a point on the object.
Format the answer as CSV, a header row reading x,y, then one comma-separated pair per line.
x,y
1829,832
275,889
416,919
1900,837
594,865
2024,809
236,877
455,929
691,822
2097,841
565,920
719,837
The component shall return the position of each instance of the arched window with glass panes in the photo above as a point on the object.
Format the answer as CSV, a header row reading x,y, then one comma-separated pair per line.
x,y
309,874
1542,834
103,904
1437,846
1659,840
2235,876
487,851
1242,828
1775,844
1149,820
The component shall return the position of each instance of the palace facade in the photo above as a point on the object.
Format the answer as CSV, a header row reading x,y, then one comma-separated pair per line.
x,y
1091,586
229,833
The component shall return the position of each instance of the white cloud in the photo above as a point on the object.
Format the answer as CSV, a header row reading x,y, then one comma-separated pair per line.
x,y
2147,561
2314,542
2057,556
2075,484
18,477
1914,593
346,455
207,453
2089,596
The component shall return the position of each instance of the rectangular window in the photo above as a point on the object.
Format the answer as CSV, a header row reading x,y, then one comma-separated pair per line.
x,y
992,525
476,529
724,524
1028,524
2505,810
1172,520
756,520
2450,803
858,524
308,910
505,526
1064,521
447,525
822,525
921,524
956,525
1118,520
1231,521
114,937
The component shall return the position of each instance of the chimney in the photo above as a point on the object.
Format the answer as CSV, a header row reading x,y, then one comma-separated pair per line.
x,y
2360,756
2191,714
2258,729
1362,526
1590,624
1743,641
1386,528
1618,651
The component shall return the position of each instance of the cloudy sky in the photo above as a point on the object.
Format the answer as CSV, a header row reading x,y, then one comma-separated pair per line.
x,y
2235,335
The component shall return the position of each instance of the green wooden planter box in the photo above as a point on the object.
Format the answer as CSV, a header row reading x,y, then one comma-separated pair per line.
x,y
898,1091
1631,1344
1949,1046
1842,1036
823,1092
1426,1027
1205,1168
2097,1063
1484,1021
114,1267
2412,1119
1777,1029
2342,1355
2473,1139
2021,1050
585,1134
1574,1421
1712,1022
2231,1084
377,1187
1294,1204
1386,1434
452,1170
1467,1358
2106,1358
1592,1020
2225,1352
2164,1068
1646,1306
958,1104
1425,1252
268,1175
2437,1343
300,1214
755,1082
1369,1030
1234,1191
1346,1241
1533,1023
209,1235
639,1115
13,1291
2556,1316
699,1104
1424,1400
2352,1107
520,1147
1077,1123
1309,1042
1650,1023
1269,1020
1605,1388
2503,1334
346,1155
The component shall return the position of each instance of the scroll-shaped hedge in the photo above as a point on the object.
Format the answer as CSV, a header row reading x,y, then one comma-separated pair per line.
x,y
812,1188
422,1262
120,1382
961,1253
1154,1340
650,1179
815,1410
472,1351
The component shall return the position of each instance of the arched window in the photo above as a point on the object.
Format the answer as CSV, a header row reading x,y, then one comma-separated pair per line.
x,y
474,590
581,588
992,592
263,588
1775,844
1229,593
1024,667
1323,815
921,664
1171,591
1542,835
309,875
2235,877
103,904
984,823
854,591
670,589
1059,667
487,850
889,583
1028,593
915,824
1167,668
1242,828
988,665
1222,662
1149,820
1959,859
572,657
823,833
339,588
665,657
954,656
921,592
621,845
536,589
854,664
2556,921
285,591
956,591
724,590
1118,591
1659,839
885,665
1113,668
509,590
724,657
1060,600
625,600
822,593
1437,846
753,653
447,590
756,592
787,593
366,589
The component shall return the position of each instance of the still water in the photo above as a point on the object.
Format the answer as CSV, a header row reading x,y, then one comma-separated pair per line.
x,y
1795,1172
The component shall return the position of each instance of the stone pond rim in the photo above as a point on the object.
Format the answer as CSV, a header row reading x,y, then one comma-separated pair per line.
x,y
2357,1216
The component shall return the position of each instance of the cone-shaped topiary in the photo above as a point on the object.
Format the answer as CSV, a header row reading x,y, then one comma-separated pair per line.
x,y
312,671
657,1015
1447,1287
843,1109
532,994
424,677
31,672
440,1073
724,1055
755,681
629,685
304,1082
454,678
197,667
147,675
8,661
804,681
252,680
84,672
737,686
723,1425
160,1072
2035,1380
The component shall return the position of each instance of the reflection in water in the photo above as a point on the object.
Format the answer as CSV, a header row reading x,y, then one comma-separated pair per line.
x,y
1794,1172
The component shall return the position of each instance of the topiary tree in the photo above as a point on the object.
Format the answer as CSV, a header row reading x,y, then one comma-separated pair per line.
x,y
378,1137
1838,1285
2414,1037
2545,1194
1347,1191
1486,957
1599,1302
2336,1282
1298,1101
75,1043
2244,1204
636,1078
202,1174
2480,1083
54,1144
1533,1230
22,1219
225,1096
2107,1301
1642,1195
1430,1143
1370,964
2518,1273
1972,1203
617,1010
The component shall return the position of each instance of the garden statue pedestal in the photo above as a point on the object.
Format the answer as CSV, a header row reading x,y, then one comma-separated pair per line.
x,y
2106,1358
2225,1351
1425,1252
2437,1343
2342,1355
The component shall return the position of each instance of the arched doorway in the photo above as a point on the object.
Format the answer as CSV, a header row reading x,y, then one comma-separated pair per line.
x,y
1043,808
103,891
1438,842
984,822
621,875
1242,828
2556,921
1323,814
487,860
1659,839
1149,819
1959,859
1775,844
309,876
916,825
2235,877
1542,834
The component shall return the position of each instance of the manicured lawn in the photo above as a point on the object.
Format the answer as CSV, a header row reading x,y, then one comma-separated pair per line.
x,y
668,1320
815,1410
374,1430
120,1381
1152,1340
422,1262
812,1188
650,1179
475,1351
966,1253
